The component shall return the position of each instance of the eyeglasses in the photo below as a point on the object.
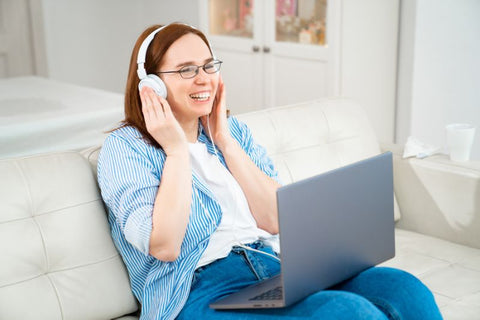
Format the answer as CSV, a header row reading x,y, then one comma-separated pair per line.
x,y
188,72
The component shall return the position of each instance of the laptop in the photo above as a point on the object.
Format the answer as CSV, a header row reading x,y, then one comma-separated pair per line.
x,y
332,227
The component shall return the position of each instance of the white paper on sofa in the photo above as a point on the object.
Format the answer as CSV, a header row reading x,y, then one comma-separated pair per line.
x,y
416,148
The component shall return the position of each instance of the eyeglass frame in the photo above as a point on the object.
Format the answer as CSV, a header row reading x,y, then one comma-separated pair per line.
x,y
197,70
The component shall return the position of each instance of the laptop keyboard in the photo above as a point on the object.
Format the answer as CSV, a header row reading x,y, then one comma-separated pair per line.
x,y
273,294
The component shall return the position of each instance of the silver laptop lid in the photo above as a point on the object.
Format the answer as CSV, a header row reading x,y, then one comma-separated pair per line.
x,y
346,225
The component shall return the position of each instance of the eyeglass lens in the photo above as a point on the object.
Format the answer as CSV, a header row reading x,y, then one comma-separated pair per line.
x,y
191,71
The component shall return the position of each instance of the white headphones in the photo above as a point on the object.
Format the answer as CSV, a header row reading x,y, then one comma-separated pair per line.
x,y
152,80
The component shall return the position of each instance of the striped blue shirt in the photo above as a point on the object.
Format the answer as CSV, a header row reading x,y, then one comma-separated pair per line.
x,y
129,174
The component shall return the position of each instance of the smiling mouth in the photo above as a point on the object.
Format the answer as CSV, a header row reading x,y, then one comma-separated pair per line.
x,y
204,96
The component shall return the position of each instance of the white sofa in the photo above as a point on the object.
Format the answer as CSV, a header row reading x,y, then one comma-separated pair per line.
x,y
59,262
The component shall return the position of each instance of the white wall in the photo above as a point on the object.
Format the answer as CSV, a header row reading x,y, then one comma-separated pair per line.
x,y
439,70
368,60
89,42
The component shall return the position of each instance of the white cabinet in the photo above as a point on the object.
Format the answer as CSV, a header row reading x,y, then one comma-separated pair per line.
x,y
259,41
277,52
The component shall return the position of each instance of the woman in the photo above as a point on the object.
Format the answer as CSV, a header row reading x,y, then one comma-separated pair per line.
x,y
191,200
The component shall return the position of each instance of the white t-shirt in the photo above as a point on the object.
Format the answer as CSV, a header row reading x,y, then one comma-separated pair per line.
x,y
237,225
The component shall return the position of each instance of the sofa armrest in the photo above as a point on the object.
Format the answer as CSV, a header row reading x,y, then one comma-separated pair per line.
x,y
394,148
439,197
91,154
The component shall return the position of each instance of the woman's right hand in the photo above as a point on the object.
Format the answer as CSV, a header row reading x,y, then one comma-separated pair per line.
x,y
161,123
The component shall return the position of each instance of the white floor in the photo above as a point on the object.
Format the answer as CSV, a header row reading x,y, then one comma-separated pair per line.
x,y
450,270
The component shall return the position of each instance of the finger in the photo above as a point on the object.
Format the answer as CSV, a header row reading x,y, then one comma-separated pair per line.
x,y
142,98
220,79
223,94
149,98
219,89
221,98
166,107
145,94
157,106
145,107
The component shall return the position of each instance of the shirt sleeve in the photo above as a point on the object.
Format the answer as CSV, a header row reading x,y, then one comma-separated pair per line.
x,y
256,152
129,183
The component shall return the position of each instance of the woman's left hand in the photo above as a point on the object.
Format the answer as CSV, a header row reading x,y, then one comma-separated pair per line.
x,y
217,120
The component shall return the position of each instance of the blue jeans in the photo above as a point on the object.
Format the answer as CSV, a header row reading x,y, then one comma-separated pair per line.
x,y
377,293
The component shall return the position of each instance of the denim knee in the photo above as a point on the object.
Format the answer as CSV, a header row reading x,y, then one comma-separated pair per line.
x,y
330,304
396,282
397,293
324,305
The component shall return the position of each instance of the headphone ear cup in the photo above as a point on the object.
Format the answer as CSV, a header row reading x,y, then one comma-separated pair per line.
x,y
153,81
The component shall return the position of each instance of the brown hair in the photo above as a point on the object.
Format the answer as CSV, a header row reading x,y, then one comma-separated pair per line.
x,y
155,52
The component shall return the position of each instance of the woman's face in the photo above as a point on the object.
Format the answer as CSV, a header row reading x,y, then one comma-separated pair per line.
x,y
189,98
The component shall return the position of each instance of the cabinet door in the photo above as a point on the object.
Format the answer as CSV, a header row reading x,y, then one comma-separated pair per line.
x,y
232,27
297,36
292,80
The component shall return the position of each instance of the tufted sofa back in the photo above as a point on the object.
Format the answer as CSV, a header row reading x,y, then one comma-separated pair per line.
x,y
58,260
313,137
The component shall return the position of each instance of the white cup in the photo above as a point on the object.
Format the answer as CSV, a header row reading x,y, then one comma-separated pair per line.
x,y
460,140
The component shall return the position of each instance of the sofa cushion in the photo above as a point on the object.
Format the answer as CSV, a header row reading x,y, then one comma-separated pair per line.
x,y
309,138
58,259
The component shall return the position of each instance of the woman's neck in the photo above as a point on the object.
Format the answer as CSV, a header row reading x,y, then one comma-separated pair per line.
x,y
191,130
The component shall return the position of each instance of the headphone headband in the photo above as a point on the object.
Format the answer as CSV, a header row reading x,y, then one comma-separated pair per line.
x,y
142,53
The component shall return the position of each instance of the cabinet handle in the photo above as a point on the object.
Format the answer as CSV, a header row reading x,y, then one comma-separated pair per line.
x,y
255,48
266,49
